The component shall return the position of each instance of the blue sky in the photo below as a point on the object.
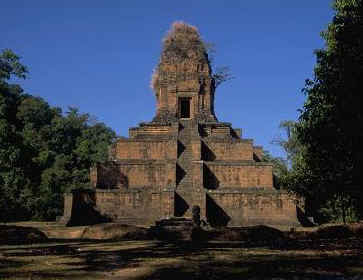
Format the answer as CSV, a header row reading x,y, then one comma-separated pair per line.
x,y
99,55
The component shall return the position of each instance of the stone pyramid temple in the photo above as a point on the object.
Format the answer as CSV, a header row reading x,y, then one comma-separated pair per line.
x,y
185,157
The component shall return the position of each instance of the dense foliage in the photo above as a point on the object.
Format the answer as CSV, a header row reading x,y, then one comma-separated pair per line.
x,y
323,147
331,119
43,152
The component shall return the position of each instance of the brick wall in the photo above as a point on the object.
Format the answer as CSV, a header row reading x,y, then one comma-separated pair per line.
x,y
108,203
145,174
238,175
242,209
231,151
130,175
196,149
156,150
141,207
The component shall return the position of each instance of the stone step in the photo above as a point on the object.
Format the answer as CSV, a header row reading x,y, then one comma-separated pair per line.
x,y
185,162
186,169
185,182
174,222
184,187
187,151
186,179
188,157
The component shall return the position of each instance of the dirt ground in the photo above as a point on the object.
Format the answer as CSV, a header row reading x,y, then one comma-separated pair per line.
x,y
326,259
159,260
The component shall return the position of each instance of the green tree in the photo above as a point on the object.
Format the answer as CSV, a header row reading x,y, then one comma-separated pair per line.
x,y
289,142
11,147
75,145
279,169
10,66
43,152
329,127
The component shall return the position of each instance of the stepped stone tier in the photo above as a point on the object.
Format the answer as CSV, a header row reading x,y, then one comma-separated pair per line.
x,y
185,157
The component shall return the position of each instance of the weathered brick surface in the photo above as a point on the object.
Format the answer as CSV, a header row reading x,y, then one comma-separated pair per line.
x,y
231,151
243,175
148,130
196,146
155,150
108,203
145,174
252,208
127,206
134,175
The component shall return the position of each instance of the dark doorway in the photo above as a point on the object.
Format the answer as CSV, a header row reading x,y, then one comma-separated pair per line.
x,y
184,104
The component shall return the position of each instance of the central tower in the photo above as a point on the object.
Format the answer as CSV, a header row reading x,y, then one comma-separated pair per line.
x,y
182,81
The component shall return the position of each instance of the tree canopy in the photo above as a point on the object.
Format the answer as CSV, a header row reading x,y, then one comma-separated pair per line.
x,y
327,168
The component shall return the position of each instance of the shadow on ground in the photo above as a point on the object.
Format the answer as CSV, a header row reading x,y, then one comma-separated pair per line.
x,y
308,259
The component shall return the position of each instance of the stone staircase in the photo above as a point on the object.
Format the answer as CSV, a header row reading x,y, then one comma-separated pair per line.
x,y
184,187
185,157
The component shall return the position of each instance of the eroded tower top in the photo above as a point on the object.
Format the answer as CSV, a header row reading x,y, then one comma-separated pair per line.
x,y
182,81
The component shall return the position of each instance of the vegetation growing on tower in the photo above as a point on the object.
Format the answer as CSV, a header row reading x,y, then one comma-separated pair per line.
x,y
184,43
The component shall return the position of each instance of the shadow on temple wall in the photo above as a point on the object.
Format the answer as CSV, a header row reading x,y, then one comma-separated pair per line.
x,y
181,206
276,182
110,177
181,148
256,158
211,182
181,127
84,211
216,216
234,134
180,173
202,131
207,154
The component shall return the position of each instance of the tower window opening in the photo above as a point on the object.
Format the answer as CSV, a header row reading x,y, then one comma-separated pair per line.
x,y
184,107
